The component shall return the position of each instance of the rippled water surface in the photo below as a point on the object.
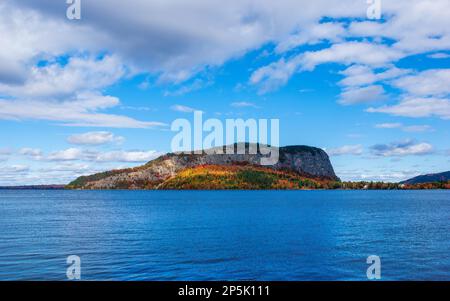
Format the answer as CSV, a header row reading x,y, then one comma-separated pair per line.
x,y
231,235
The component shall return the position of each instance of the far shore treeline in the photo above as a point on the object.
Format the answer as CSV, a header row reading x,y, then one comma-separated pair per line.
x,y
302,185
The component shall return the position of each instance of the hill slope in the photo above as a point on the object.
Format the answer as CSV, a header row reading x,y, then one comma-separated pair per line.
x,y
429,178
215,177
164,172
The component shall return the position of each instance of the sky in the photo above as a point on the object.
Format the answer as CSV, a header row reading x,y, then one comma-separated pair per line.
x,y
100,92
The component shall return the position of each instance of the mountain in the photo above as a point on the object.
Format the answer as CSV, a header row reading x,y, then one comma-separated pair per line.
x,y
429,178
297,165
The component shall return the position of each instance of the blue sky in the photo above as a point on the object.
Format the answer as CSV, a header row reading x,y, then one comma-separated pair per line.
x,y
82,96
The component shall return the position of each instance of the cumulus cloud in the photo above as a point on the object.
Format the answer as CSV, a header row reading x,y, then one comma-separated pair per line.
x,y
362,95
69,154
4,154
313,34
186,48
439,55
434,82
418,128
127,156
56,81
74,154
417,107
208,35
361,75
346,150
359,43
402,148
15,168
82,111
5,151
95,138
388,125
352,53
13,174
48,86
69,94
56,173
68,167
409,128
34,153
276,74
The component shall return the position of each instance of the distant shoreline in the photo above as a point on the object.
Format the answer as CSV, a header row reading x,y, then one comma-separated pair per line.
x,y
63,187
34,187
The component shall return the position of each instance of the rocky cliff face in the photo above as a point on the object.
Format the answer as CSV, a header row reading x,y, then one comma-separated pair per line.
x,y
304,160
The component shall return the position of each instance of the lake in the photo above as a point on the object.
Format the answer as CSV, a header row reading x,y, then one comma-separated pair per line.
x,y
224,235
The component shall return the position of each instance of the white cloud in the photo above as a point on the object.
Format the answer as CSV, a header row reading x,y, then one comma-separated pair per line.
x,y
388,125
402,148
439,55
95,138
34,153
400,26
418,128
70,94
361,75
347,53
57,81
409,128
425,95
313,34
77,154
433,82
417,107
4,154
82,111
13,174
69,154
16,168
5,151
277,74
362,95
69,167
274,75
208,35
183,109
127,156
346,150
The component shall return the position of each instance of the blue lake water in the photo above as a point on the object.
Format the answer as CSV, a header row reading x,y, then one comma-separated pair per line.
x,y
225,235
